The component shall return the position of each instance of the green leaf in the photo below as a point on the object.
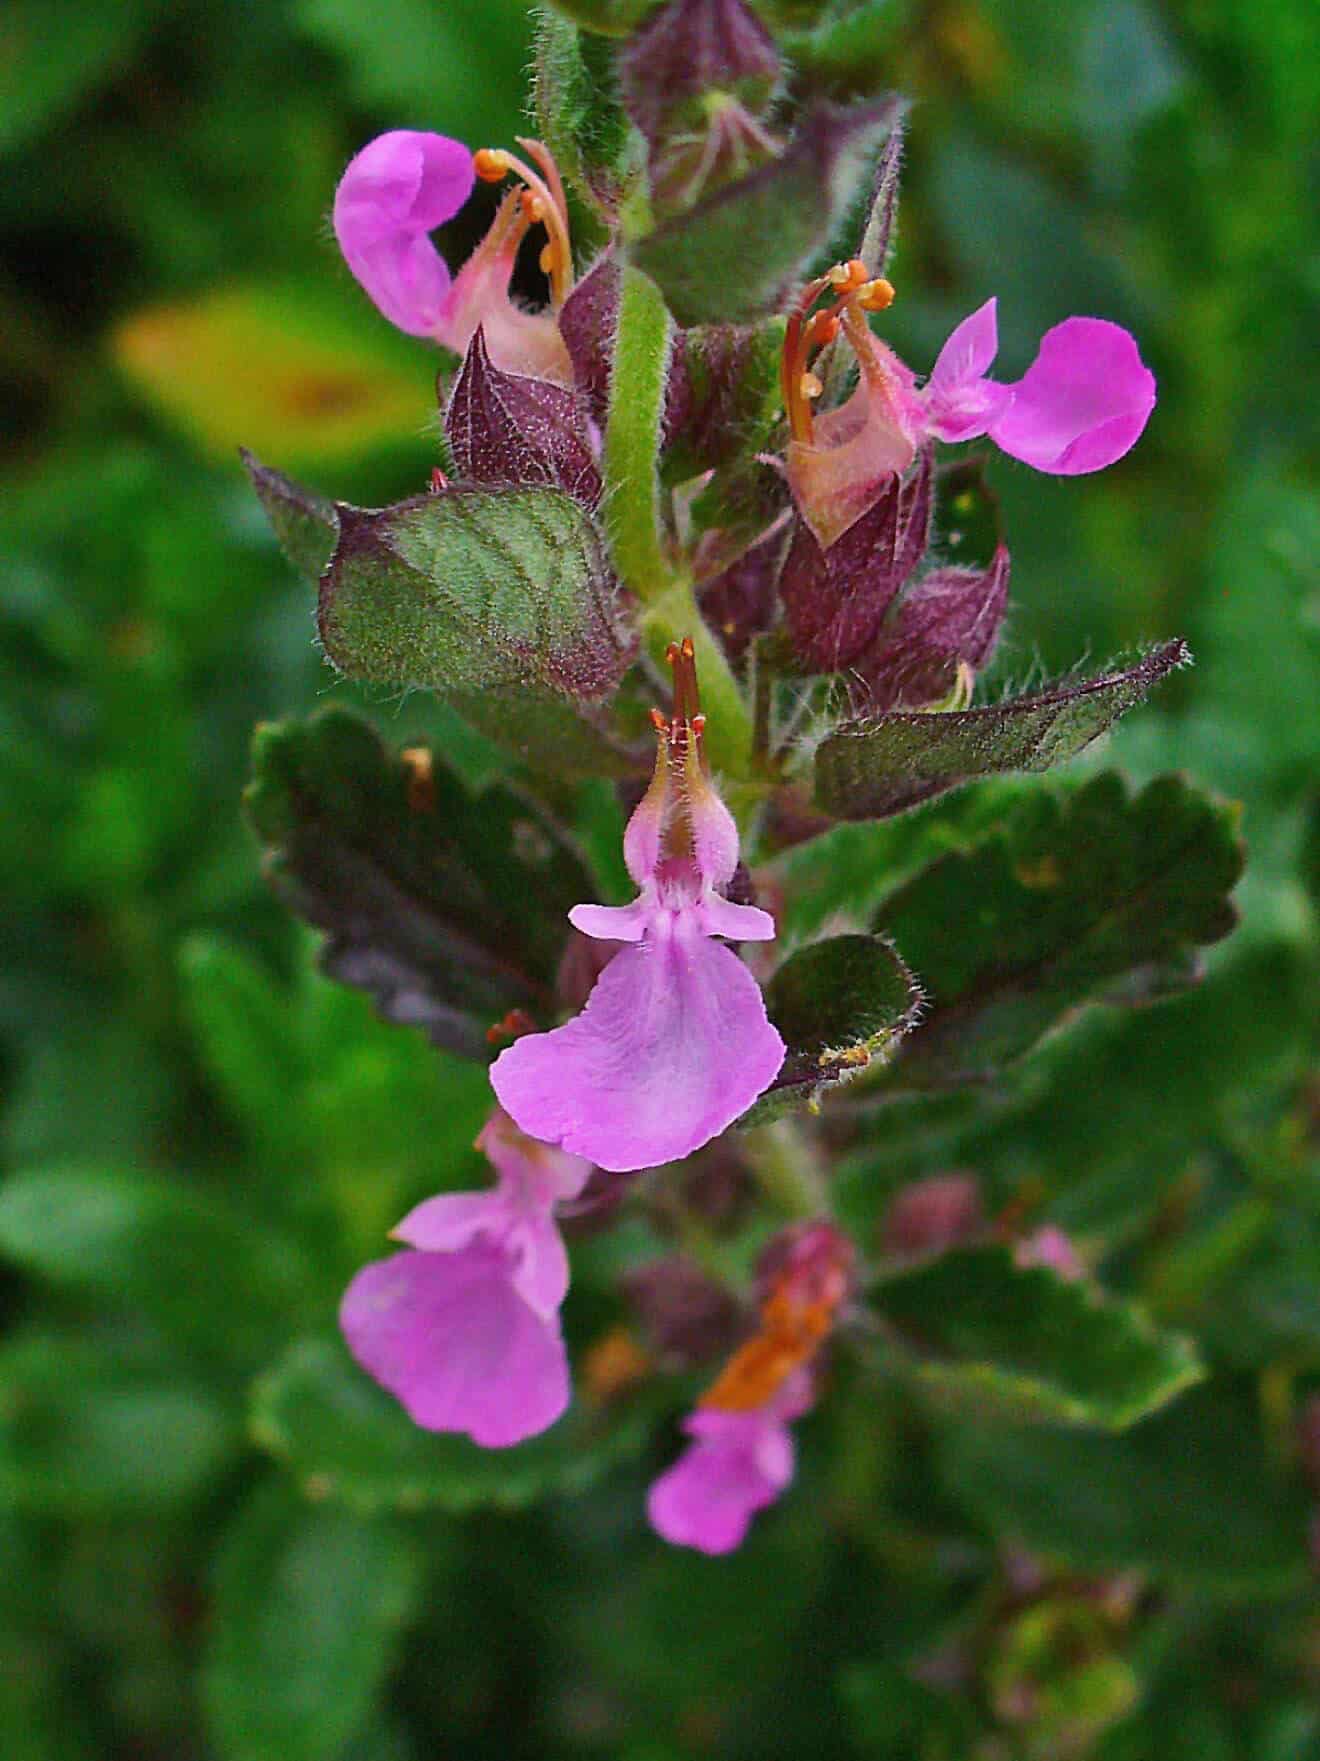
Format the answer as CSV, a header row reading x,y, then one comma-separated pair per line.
x,y
344,1438
581,119
729,259
309,1606
448,908
1190,1495
306,524
1090,897
92,1429
473,589
870,769
151,1244
839,1004
1021,1341
249,1039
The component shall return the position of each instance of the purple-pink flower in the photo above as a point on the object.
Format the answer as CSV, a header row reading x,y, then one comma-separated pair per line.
x,y
463,1329
736,1464
674,1042
1081,404
404,184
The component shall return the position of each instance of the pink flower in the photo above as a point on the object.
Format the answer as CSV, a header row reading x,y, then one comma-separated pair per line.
x,y
674,1042
404,184
1080,406
464,1330
737,1464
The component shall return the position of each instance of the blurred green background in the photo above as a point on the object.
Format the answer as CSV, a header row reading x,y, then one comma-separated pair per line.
x,y
201,1138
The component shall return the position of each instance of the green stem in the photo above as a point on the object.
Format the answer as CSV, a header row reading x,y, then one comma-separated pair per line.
x,y
728,725
786,1169
638,375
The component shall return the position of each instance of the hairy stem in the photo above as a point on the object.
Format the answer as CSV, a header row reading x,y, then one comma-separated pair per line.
x,y
786,1169
638,375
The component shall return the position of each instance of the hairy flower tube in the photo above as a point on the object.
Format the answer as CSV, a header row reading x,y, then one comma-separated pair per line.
x,y
674,1042
404,184
1080,406
463,1329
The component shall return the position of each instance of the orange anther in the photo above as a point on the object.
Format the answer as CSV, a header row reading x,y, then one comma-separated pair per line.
x,y
659,722
876,295
490,164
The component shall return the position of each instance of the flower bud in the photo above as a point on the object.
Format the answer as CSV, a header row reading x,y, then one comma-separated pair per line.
x,y
948,620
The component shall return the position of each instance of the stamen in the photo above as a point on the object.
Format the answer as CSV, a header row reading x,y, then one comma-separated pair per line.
x,y
682,658
542,202
856,291
810,386
876,296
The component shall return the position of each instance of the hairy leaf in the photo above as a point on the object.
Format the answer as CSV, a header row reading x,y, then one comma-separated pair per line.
x,y
1095,896
448,908
305,523
509,428
729,259
1024,1342
869,769
473,589
348,1440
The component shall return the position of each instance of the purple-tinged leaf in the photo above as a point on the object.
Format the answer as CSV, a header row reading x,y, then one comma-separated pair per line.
x,y
950,618
836,599
448,908
509,428
474,589
886,764
877,244
740,603
731,258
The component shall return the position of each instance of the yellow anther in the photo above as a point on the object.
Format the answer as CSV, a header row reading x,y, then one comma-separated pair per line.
x,y
810,386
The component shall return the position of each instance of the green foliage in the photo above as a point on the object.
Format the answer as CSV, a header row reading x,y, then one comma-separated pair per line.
x,y
310,1601
639,370
1191,1493
1008,1340
840,1005
344,1439
448,909
1095,896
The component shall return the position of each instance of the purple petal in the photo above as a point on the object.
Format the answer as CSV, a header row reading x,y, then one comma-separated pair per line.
x,y
394,193
451,1339
612,923
672,1046
738,1464
454,1220
971,348
740,923
540,1263
1082,403
960,401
